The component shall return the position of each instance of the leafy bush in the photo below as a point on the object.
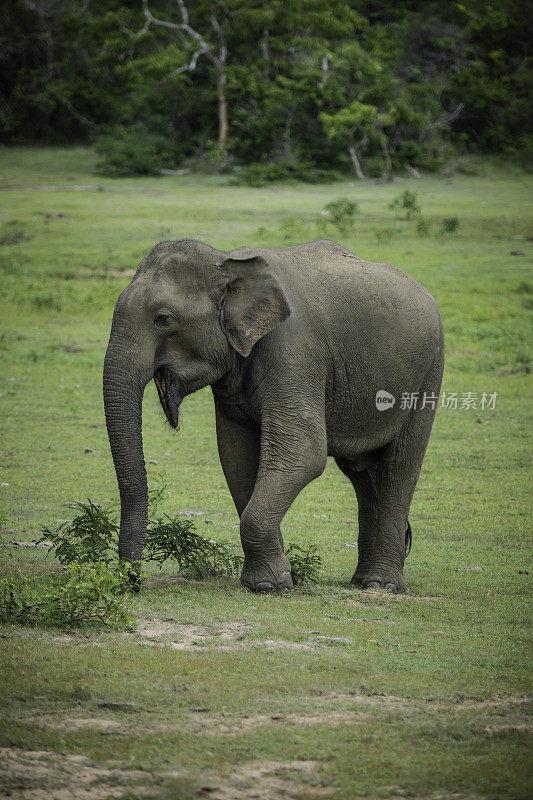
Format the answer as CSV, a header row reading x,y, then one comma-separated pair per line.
x,y
423,227
90,537
257,175
406,204
134,151
305,563
430,162
195,555
91,540
81,593
156,491
425,156
342,213
373,166
385,234
450,225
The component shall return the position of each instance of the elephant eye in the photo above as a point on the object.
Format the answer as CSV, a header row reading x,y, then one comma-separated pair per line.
x,y
162,319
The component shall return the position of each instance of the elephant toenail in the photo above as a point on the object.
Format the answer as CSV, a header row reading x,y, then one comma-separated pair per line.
x,y
285,581
373,585
264,586
390,587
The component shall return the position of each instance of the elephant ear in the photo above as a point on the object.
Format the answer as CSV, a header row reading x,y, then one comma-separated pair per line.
x,y
253,302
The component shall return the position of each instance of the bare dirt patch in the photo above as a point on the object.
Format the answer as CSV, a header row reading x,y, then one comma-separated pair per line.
x,y
110,726
518,727
121,273
46,775
189,635
375,701
281,644
162,581
264,780
397,793
496,701
216,635
221,727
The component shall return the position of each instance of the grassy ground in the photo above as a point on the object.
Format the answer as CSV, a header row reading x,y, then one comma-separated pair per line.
x,y
216,692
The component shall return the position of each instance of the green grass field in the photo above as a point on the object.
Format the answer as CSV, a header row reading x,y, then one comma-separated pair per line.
x,y
215,692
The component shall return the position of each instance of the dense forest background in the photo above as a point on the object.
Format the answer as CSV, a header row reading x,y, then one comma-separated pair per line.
x,y
270,88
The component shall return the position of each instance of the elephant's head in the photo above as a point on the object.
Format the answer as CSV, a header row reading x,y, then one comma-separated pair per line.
x,y
189,313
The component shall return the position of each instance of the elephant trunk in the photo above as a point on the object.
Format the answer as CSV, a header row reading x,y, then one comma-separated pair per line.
x,y
125,378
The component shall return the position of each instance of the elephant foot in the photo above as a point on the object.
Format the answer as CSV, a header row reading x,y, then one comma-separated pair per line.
x,y
358,578
379,578
262,576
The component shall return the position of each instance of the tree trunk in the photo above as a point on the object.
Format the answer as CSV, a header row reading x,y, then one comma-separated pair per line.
x,y
355,161
386,157
222,109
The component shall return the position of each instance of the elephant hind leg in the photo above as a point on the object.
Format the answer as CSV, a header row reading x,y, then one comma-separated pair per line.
x,y
397,471
370,522
364,483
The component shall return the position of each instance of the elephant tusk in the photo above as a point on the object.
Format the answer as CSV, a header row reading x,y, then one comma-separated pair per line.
x,y
170,401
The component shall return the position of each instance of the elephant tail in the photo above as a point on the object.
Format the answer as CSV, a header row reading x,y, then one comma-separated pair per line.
x,y
408,539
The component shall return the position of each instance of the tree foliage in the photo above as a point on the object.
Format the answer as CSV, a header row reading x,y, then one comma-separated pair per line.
x,y
333,84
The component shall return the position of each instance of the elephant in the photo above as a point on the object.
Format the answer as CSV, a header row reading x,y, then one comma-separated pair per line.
x,y
310,351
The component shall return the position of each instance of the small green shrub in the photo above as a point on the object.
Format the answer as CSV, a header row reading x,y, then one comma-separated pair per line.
x,y
50,300
450,225
196,556
305,563
342,213
423,227
257,175
215,156
134,151
156,491
385,234
422,156
90,537
81,593
13,232
406,205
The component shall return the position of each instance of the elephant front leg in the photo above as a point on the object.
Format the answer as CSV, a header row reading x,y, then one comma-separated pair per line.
x,y
266,568
279,481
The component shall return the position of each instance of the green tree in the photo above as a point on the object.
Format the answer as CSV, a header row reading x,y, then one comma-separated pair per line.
x,y
356,125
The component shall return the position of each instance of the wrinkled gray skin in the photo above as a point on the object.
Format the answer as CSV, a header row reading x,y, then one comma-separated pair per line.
x,y
295,343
